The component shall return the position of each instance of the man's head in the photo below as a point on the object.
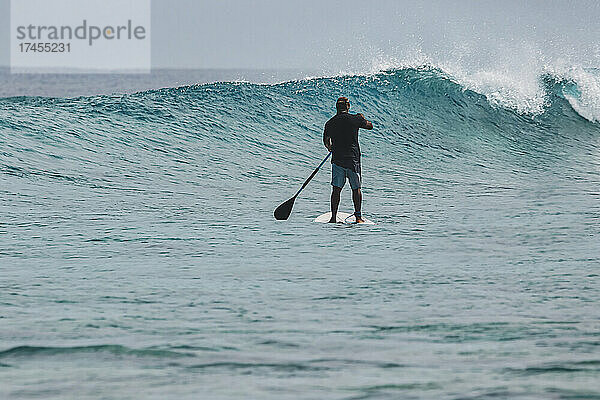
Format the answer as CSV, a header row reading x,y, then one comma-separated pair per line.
x,y
342,104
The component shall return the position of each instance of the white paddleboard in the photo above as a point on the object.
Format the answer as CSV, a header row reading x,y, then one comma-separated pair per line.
x,y
342,217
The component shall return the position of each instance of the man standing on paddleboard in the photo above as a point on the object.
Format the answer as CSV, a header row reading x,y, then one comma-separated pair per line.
x,y
341,138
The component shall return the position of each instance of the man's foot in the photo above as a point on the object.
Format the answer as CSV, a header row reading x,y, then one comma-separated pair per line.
x,y
333,218
359,220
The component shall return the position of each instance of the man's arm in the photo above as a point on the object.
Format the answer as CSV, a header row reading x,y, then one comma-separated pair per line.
x,y
326,139
365,124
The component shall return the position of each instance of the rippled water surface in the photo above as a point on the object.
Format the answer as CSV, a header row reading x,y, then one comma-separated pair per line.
x,y
139,257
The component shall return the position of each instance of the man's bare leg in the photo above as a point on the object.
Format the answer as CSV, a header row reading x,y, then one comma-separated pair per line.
x,y
335,202
357,199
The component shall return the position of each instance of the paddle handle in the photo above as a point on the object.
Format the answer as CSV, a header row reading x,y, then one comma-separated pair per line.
x,y
312,175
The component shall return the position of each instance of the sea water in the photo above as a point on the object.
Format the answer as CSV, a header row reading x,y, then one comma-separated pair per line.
x,y
139,257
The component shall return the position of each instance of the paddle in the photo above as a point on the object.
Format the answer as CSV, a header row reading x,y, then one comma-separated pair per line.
x,y
283,211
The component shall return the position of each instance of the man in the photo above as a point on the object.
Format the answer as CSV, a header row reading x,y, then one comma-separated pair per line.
x,y
341,138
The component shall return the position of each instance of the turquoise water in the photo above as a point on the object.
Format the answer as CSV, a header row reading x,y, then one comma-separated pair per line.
x,y
139,257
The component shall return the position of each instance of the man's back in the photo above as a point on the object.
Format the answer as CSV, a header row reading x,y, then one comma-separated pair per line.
x,y
343,131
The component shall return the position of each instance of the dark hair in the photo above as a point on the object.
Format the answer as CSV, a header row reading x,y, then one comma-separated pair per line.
x,y
342,104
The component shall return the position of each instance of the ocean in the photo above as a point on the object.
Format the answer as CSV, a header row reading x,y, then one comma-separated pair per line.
x,y
139,256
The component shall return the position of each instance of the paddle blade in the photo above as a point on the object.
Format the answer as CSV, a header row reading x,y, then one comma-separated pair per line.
x,y
283,211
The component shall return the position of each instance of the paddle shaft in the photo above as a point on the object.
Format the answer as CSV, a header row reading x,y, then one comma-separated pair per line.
x,y
312,175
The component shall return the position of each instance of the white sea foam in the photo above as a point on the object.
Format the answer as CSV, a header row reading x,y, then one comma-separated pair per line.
x,y
586,99
511,78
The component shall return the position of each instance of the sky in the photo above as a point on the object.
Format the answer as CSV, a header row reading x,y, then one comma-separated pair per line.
x,y
358,35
